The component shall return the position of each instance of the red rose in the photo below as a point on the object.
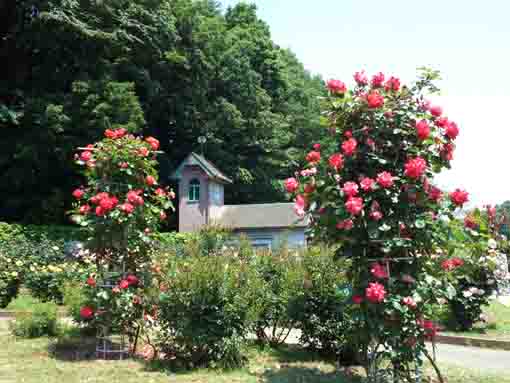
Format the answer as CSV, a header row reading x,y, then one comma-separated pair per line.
x,y
367,184
86,156
150,180
132,280
434,194
309,188
336,86
86,312
123,165
375,292
385,179
393,83
452,130
375,100
317,147
376,215
291,185
447,151
422,129
124,284
470,222
108,203
415,167
336,161
127,208
457,262
346,224
134,197
435,110
162,215
108,133
143,152
379,271
348,134
154,143
357,299
91,282
349,146
100,211
410,302
459,197
159,192
85,209
78,193
350,189
442,122
361,78
313,157
354,205
377,80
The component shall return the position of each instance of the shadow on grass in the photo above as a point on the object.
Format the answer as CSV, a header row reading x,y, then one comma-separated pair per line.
x,y
300,374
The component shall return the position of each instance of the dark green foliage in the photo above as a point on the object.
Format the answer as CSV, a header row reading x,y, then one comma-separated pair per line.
x,y
177,69
207,311
40,320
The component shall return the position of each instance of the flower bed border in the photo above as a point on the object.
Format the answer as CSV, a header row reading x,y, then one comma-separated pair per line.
x,y
473,342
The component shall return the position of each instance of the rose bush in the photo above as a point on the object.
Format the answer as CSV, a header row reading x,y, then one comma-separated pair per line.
x,y
374,197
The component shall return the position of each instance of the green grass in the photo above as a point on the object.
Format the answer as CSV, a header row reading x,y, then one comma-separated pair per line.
x,y
498,326
23,302
45,361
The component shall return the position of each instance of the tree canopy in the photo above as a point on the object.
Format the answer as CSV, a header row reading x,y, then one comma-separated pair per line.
x,y
173,69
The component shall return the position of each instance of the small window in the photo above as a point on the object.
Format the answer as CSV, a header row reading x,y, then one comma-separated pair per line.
x,y
194,190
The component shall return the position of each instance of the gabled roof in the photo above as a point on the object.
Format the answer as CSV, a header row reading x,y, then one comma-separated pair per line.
x,y
212,171
256,216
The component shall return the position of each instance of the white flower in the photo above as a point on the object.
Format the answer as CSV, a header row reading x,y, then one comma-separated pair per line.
x,y
467,293
492,243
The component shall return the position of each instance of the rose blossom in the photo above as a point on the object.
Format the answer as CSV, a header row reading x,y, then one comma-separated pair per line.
x,y
354,205
346,224
393,83
336,86
385,179
434,194
375,292
153,142
124,284
361,78
367,184
435,110
377,80
162,216
313,157
299,205
348,134
357,299
309,188
78,193
86,312
350,189
159,192
422,129
317,147
349,146
143,152
379,271
376,215
415,167
91,282
452,130
459,197
291,185
150,180
308,172
85,209
86,156
375,100
470,222
132,280
336,161
133,196
408,301
127,208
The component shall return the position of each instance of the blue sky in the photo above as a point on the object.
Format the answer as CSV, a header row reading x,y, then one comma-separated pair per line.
x,y
468,41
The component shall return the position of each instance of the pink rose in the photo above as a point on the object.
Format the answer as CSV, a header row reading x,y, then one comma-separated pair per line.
x,y
162,216
317,147
336,86
435,194
410,302
143,152
85,209
435,110
393,84
350,189
375,292
376,215
361,78
91,282
357,299
349,146
291,185
154,143
150,180
379,271
442,122
422,129
336,161
377,80
375,100
385,179
160,192
78,193
470,222
415,167
452,130
313,157
459,197
367,184
86,156
86,312
346,224
300,205
127,208
354,205
124,284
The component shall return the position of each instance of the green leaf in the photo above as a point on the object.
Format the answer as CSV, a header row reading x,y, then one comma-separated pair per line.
x,y
419,223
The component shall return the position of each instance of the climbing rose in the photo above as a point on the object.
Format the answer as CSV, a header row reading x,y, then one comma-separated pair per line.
x,y
346,224
291,185
150,180
86,312
309,188
376,215
85,209
422,129
78,193
308,172
108,203
452,130
350,189
375,100
134,197
336,161
143,152
86,156
317,147
436,111
470,222
313,157
114,134
377,80
123,165
154,143
127,208
132,280
378,271
159,192
367,184
100,211
459,197
408,301
442,122
375,292
357,299
299,205
354,205
385,179
124,284
91,282
162,216
393,83
349,146
451,264
348,134
336,86
447,151
361,78
435,194
415,167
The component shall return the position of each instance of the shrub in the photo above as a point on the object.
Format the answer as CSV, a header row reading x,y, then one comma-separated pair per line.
x,y
208,310
41,320
11,270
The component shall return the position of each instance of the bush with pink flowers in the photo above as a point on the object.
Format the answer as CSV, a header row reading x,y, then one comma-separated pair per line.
x,y
375,199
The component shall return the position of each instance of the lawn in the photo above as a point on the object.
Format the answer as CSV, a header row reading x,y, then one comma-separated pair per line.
x,y
39,361
498,326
